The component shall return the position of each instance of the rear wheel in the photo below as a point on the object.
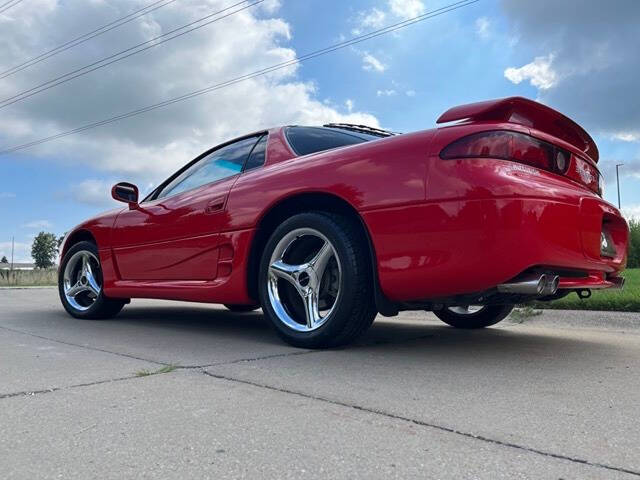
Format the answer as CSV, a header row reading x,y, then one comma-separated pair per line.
x,y
473,316
315,281
80,284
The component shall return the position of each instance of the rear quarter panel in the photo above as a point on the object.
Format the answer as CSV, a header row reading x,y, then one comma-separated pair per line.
x,y
377,174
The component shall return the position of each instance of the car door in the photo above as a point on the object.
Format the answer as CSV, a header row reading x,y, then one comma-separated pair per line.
x,y
174,235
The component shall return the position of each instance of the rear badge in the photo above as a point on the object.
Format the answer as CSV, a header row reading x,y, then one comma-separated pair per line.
x,y
524,168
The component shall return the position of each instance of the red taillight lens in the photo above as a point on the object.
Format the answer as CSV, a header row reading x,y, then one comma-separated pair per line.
x,y
522,148
506,145
485,144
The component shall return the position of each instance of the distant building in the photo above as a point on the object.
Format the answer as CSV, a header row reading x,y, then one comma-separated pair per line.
x,y
17,266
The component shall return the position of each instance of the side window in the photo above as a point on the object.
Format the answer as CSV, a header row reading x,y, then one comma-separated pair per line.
x,y
305,140
222,163
258,155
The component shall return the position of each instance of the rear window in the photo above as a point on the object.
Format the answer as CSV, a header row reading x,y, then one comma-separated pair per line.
x,y
306,140
256,159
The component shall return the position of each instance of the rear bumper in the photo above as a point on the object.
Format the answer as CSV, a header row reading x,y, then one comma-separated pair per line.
x,y
593,280
456,247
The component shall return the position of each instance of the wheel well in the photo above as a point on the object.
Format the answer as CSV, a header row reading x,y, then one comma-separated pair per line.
x,y
78,236
306,202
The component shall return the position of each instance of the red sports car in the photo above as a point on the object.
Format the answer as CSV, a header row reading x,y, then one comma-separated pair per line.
x,y
324,227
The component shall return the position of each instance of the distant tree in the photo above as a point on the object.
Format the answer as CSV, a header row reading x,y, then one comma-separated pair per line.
x,y
633,260
60,240
4,260
44,250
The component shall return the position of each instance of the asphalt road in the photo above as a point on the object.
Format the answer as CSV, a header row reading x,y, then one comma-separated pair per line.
x,y
555,396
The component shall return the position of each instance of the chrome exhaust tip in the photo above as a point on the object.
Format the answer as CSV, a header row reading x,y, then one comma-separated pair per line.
x,y
552,285
530,285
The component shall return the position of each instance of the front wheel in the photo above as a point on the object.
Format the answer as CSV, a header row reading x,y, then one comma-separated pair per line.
x,y
80,284
315,281
473,316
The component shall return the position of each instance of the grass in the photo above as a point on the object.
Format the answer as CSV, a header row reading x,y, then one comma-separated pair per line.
x,y
28,278
626,300
524,312
145,373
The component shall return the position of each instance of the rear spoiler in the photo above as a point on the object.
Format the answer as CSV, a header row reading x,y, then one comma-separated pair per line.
x,y
528,113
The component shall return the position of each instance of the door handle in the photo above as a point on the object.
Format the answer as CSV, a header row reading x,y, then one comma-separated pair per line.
x,y
215,205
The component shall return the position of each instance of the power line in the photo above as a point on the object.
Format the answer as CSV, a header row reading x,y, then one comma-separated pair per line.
x,y
12,2
257,73
87,36
7,3
116,57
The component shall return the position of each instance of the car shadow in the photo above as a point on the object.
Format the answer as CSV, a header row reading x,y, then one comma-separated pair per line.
x,y
389,336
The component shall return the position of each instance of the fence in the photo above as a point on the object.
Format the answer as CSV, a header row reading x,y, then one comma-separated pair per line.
x,y
25,278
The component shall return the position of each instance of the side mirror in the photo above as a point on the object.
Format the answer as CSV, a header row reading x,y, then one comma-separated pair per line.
x,y
127,193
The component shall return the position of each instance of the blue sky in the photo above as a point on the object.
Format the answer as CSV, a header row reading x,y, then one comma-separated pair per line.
x,y
401,81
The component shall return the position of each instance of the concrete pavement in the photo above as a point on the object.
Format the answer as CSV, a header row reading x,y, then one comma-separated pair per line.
x,y
552,396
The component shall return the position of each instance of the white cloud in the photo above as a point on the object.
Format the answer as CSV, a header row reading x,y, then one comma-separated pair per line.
x,y
406,8
38,224
386,93
270,6
371,63
410,93
21,252
375,18
7,195
539,73
626,136
152,145
482,27
94,192
371,19
349,104
632,211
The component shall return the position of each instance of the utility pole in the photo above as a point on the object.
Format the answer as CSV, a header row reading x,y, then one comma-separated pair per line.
x,y
11,267
618,182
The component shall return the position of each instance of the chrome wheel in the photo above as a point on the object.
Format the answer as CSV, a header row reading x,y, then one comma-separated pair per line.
x,y
466,309
304,279
82,280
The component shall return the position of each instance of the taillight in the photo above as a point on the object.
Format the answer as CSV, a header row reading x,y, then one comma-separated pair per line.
x,y
583,172
513,146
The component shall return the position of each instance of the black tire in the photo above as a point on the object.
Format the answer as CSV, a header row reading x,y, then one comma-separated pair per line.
x,y
102,307
489,315
354,309
241,308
